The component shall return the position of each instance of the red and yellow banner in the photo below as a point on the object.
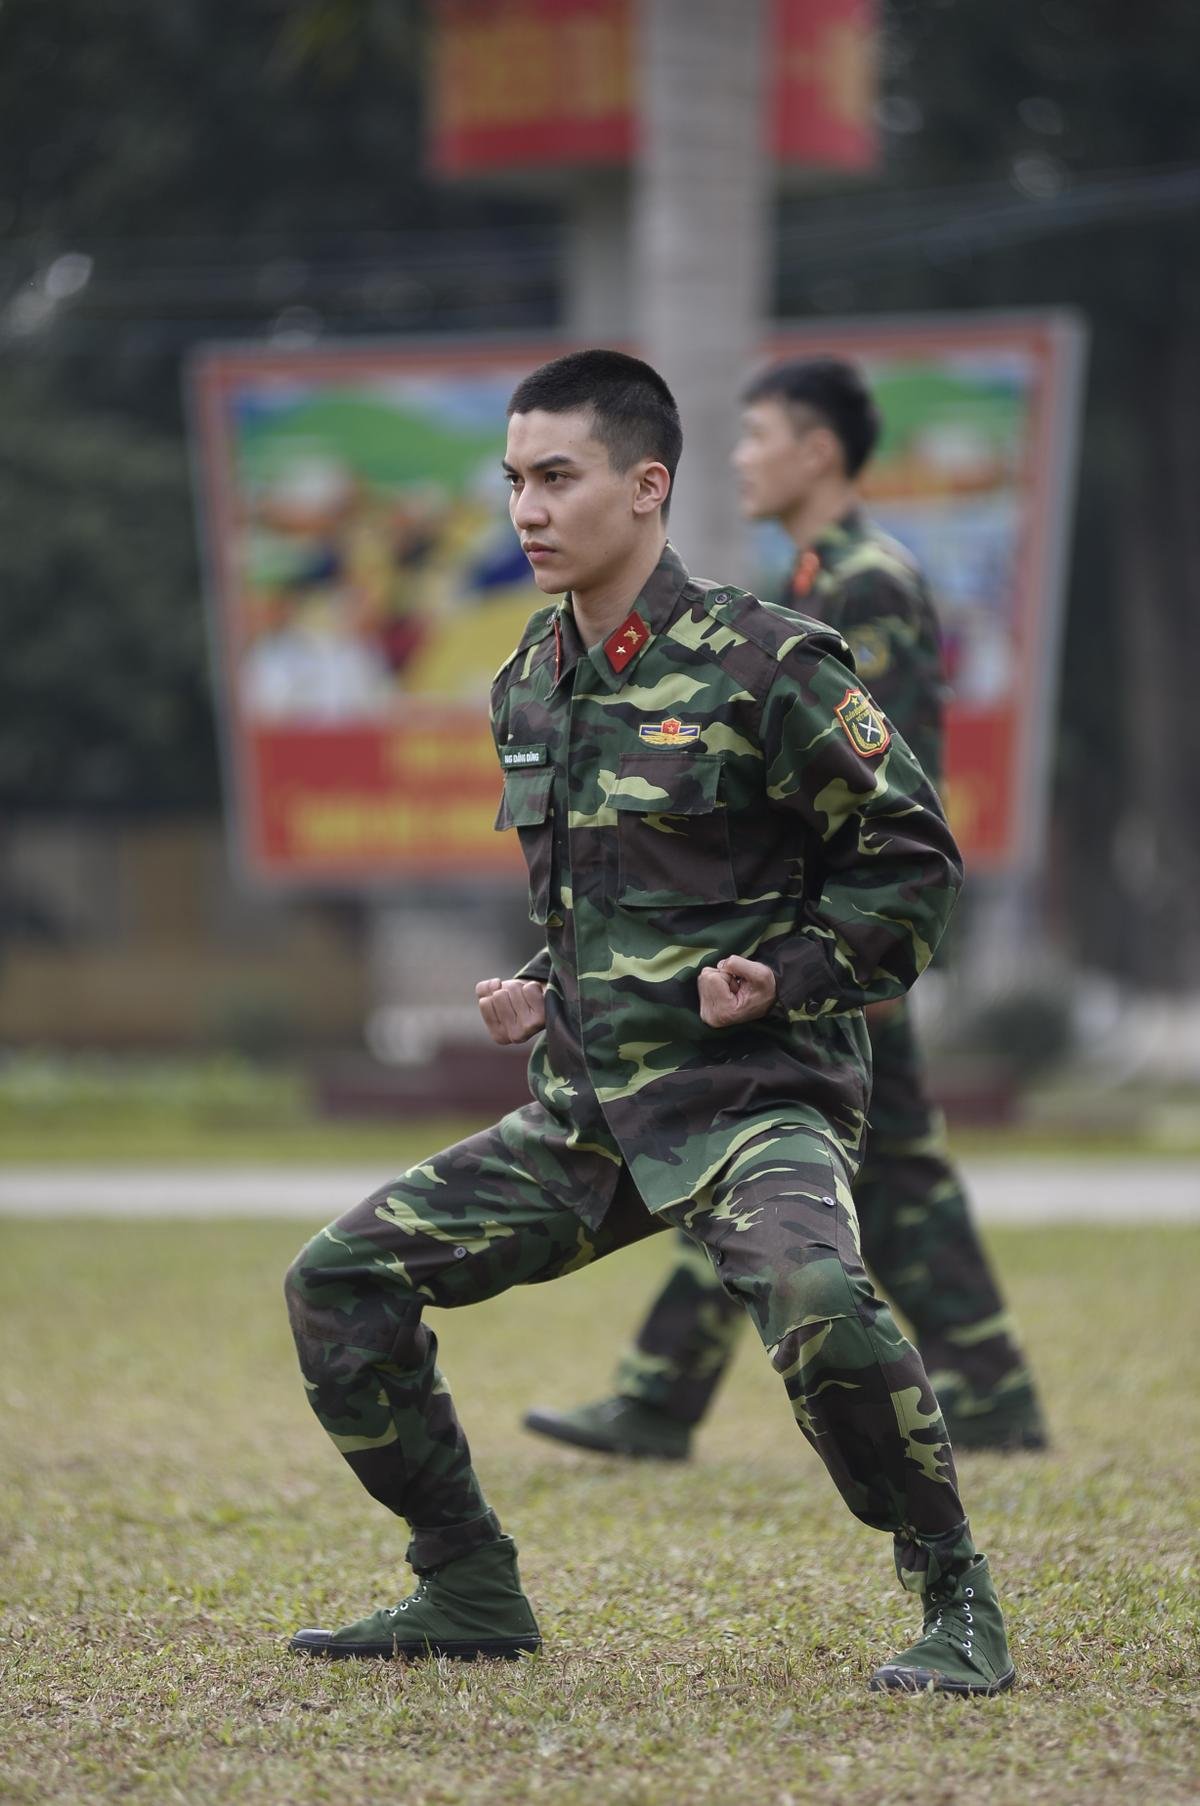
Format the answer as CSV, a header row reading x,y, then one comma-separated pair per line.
x,y
349,801
546,85
525,81
823,84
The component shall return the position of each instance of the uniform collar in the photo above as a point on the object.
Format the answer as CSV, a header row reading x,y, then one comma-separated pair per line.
x,y
650,614
820,554
568,646
839,533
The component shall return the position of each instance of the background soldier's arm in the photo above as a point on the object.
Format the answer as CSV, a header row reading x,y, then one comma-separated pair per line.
x,y
881,867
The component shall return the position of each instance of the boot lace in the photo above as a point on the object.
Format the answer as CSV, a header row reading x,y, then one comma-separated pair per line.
x,y
414,1598
950,1614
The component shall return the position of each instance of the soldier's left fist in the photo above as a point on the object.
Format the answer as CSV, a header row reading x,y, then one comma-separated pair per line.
x,y
735,990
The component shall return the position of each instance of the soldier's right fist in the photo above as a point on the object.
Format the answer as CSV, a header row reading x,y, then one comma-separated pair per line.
x,y
513,1009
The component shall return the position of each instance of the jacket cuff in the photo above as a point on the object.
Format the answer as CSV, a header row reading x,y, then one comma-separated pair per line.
x,y
802,978
537,968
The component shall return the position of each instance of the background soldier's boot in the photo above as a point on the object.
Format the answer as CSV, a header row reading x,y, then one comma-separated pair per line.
x,y
471,1607
616,1426
962,1649
1008,1423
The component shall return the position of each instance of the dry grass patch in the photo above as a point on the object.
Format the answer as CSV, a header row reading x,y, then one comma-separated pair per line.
x,y
171,1511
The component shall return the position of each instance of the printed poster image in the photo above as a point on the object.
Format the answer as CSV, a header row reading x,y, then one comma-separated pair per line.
x,y
366,582
376,561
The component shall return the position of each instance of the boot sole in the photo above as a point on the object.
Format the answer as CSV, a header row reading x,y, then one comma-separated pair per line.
x,y
458,1649
928,1680
557,1431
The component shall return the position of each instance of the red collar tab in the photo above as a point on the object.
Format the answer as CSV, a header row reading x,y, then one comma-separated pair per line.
x,y
806,573
629,638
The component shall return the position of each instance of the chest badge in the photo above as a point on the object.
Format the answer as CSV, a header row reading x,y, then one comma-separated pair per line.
x,y
865,728
668,733
629,638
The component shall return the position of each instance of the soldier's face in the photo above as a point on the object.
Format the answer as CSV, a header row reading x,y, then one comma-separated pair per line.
x,y
579,520
778,458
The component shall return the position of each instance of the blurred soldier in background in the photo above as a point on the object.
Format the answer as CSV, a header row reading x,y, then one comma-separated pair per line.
x,y
731,854
808,429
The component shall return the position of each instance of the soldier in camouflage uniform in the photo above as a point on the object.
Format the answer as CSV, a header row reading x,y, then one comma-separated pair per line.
x,y
808,429
731,854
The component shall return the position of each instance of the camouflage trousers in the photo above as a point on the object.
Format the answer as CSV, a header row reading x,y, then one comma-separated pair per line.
x,y
496,1210
920,1243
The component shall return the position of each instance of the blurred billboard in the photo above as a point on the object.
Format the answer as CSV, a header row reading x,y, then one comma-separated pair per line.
x,y
365,581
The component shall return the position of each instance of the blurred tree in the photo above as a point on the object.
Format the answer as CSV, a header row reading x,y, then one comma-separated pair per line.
x,y
103,698
138,119
261,141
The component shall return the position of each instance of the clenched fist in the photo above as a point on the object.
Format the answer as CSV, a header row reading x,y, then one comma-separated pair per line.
x,y
735,990
513,1009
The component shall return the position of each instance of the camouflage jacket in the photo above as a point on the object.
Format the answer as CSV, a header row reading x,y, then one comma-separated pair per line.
x,y
865,584
710,780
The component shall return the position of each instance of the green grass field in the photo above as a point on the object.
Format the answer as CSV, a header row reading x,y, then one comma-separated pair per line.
x,y
170,1511
141,1140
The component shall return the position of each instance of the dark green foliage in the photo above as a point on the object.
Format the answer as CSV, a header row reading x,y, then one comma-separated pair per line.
x,y
136,119
102,684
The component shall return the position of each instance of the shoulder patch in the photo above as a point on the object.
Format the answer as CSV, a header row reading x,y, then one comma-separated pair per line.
x,y
872,653
863,725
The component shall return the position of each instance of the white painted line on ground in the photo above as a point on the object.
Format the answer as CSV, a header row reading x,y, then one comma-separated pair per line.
x,y
1024,1191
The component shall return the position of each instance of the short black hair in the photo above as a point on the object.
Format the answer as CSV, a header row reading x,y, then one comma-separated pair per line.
x,y
635,412
833,389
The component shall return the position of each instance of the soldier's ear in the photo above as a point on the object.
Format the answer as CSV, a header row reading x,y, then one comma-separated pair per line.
x,y
826,448
653,486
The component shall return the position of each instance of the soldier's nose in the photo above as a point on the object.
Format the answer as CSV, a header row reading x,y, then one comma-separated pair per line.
x,y
528,514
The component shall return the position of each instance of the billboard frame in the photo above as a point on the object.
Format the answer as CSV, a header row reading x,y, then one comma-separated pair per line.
x,y
1059,336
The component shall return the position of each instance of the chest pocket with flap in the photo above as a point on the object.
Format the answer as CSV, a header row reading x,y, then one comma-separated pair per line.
x,y
527,806
672,831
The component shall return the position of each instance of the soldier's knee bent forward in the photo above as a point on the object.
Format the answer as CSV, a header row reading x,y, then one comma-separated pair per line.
x,y
336,1303
303,1276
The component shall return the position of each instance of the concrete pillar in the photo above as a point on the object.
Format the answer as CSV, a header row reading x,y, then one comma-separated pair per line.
x,y
701,201
598,276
